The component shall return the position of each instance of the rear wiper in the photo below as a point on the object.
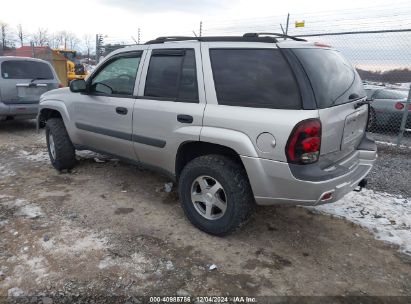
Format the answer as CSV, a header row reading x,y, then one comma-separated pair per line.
x,y
361,103
37,78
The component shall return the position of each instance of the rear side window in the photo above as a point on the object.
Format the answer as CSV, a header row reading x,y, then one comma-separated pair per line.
x,y
332,77
259,78
172,75
24,69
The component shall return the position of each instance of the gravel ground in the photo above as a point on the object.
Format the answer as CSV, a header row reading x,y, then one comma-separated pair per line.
x,y
110,229
392,171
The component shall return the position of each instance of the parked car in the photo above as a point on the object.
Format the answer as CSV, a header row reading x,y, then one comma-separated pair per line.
x,y
234,120
22,82
387,108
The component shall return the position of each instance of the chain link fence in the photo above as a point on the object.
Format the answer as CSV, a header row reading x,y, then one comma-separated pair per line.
x,y
383,60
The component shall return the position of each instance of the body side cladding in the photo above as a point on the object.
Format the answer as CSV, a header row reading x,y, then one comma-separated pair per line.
x,y
160,170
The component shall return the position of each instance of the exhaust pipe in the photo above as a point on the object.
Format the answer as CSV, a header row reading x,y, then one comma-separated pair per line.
x,y
361,185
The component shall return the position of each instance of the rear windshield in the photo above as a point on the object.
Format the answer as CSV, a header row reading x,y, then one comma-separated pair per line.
x,y
22,69
332,77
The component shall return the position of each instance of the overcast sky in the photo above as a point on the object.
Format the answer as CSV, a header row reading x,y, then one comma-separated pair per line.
x,y
119,19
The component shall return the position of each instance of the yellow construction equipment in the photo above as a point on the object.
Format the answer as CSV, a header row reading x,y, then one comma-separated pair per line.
x,y
75,70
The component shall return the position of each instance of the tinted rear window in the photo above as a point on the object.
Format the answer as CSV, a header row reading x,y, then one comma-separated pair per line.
x,y
172,75
259,78
332,77
21,69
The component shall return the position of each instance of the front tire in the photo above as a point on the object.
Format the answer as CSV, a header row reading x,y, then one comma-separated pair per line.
x,y
215,194
61,150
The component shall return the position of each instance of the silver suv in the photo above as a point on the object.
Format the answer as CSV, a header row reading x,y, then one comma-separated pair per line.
x,y
22,82
234,120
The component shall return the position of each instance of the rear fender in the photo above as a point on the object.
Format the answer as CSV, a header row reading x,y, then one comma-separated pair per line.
x,y
235,140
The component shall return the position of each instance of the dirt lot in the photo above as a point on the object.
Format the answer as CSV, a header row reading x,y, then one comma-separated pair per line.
x,y
111,229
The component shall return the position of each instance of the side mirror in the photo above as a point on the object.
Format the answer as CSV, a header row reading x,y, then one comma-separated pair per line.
x,y
78,85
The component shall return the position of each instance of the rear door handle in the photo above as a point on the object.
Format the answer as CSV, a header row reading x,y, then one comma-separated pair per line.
x,y
121,111
184,118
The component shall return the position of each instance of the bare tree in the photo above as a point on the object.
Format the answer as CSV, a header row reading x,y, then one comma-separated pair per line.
x,y
20,34
4,32
72,41
41,38
56,40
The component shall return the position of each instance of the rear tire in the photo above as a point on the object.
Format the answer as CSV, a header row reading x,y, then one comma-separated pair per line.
x,y
234,194
61,150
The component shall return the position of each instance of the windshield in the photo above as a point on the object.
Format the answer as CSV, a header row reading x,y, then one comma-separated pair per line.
x,y
69,55
332,77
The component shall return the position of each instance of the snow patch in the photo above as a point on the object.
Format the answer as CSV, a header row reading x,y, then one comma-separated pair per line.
x,y
6,172
30,211
24,208
71,240
41,156
384,143
385,215
139,264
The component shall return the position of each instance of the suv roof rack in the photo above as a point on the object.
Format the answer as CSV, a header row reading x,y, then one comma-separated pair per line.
x,y
273,34
244,38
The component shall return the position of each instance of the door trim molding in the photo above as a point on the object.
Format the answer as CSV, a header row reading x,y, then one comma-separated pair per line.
x,y
103,131
159,143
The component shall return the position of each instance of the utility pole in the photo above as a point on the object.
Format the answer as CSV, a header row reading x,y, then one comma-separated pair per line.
x,y
288,22
285,32
33,53
139,36
201,28
99,46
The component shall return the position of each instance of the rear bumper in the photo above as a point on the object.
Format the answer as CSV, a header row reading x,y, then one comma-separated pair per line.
x,y
26,111
274,182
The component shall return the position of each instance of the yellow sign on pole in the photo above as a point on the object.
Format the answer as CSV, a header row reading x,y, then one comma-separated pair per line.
x,y
300,23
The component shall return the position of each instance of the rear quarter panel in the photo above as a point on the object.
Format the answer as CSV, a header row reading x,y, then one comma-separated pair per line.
x,y
250,122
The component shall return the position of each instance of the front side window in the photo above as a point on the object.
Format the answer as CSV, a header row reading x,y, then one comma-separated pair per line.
x,y
118,77
258,78
24,69
172,75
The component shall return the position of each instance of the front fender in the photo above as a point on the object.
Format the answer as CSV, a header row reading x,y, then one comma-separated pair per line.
x,y
56,105
235,140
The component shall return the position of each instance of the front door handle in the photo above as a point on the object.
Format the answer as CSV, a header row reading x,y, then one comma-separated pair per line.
x,y
184,118
121,111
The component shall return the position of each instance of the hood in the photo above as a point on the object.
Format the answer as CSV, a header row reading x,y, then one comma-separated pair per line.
x,y
55,94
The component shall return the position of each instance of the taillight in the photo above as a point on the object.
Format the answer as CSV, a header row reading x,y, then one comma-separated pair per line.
x,y
61,85
304,143
399,106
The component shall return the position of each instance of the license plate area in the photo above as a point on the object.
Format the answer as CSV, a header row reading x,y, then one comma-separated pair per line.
x,y
30,92
354,128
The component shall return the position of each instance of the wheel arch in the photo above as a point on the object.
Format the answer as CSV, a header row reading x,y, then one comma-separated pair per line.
x,y
51,109
190,150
